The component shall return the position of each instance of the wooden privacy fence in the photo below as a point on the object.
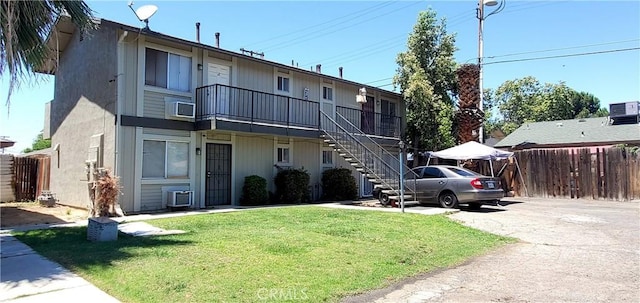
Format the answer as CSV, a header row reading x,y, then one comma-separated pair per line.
x,y
610,174
30,177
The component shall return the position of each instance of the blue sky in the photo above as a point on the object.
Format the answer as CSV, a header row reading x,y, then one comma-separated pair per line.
x,y
364,38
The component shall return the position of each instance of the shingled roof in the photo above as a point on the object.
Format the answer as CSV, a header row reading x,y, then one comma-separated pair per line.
x,y
571,133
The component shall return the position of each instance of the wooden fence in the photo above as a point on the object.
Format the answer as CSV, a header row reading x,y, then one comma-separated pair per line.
x,y
30,177
6,178
609,174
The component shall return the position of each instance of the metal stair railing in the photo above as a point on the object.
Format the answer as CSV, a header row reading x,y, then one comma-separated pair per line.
x,y
392,161
372,162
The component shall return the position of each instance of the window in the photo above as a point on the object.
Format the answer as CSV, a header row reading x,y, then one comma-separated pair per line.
x,y
432,172
327,157
283,84
327,93
415,173
167,70
165,159
283,155
464,172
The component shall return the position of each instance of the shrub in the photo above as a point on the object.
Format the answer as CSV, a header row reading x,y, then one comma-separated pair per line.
x,y
292,186
254,191
338,184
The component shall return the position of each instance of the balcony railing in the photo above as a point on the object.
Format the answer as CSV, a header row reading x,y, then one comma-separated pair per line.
x,y
372,123
226,102
244,105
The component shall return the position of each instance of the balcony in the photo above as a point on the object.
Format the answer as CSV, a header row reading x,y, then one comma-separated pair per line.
x,y
372,123
231,108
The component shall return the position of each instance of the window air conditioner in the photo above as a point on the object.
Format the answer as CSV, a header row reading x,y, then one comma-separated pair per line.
x,y
179,198
184,110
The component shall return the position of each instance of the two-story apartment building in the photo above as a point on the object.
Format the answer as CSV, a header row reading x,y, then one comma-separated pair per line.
x,y
168,114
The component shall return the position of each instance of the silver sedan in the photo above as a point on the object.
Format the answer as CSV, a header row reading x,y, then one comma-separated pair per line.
x,y
451,185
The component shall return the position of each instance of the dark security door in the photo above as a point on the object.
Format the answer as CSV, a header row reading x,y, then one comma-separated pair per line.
x,y
367,121
218,184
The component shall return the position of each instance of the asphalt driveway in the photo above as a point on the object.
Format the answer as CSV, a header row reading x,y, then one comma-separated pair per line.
x,y
570,251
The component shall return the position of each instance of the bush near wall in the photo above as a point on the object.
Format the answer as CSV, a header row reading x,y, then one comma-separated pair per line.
x,y
292,186
338,184
254,191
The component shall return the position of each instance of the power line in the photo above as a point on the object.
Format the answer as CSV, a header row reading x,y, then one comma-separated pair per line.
x,y
358,51
298,41
537,58
350,15
385,79
557,49
360,56
564,56
366,51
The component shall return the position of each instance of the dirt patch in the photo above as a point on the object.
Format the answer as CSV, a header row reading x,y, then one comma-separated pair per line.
x,y
31,213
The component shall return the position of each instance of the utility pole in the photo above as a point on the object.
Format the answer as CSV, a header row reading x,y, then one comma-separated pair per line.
x,y
251,53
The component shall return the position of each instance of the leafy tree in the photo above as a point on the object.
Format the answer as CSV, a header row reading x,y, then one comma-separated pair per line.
x,y
24,26
527,100
38,144
426,77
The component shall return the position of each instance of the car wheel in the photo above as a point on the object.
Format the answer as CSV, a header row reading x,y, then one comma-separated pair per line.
x,y
475,205
448,200
383,198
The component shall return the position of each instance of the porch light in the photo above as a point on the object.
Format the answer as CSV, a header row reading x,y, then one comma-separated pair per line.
x,y
361,97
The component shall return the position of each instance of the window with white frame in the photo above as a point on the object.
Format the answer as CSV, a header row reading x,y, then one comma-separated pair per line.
x,y
283,83
167,70
283,155
165,159
327,158
327,93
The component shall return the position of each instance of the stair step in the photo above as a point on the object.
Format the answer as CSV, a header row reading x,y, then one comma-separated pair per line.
x,y
360,169
390,191
332,144
397,198
342,155
411,202
356,164
328,140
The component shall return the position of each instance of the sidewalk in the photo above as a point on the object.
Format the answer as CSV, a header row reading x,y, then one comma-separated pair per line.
x,y
25,276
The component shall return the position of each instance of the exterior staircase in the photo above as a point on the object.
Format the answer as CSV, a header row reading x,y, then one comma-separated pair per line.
x,y
369,158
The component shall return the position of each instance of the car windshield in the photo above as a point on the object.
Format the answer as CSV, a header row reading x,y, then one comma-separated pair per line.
x,y
463,172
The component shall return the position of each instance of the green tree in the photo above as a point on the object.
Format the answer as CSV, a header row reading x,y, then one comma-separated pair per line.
x,y
24,27
38,144
427,80
527,100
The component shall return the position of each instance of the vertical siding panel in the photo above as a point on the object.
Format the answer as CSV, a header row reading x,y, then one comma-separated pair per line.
x,y
126,167
254,156
307,154
256,76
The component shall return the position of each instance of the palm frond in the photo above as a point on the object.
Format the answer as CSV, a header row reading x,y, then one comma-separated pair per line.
x,y
24,28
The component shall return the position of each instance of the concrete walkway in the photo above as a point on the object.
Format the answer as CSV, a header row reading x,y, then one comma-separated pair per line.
x,y
25,276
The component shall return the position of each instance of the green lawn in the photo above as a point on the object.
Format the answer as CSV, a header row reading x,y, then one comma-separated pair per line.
x,y
265,255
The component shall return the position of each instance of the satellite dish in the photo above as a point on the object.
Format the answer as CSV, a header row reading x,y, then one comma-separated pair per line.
x,y
144,12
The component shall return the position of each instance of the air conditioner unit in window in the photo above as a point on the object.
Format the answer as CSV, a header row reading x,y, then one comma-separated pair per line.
x,y
183,110
179,198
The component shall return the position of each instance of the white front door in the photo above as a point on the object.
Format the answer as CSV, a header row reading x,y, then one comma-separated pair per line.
x,y
219,74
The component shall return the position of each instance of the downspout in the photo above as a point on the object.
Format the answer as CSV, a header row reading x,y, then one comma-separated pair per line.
x,y
119,98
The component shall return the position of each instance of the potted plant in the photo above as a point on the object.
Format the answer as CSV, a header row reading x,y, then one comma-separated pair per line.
x,y
104,191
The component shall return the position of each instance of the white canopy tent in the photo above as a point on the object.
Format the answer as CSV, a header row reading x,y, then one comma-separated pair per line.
x,y
477,151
